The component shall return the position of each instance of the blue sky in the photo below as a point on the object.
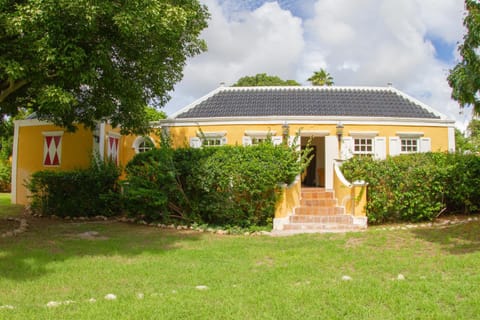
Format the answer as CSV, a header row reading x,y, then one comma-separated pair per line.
x,y
410,43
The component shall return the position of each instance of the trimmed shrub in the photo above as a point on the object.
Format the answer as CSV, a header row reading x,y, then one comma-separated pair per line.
x,y
5,176
229,185
82,192
417,187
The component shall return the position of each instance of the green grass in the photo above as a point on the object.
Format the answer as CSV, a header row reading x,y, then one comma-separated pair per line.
x,y
296,277
6,209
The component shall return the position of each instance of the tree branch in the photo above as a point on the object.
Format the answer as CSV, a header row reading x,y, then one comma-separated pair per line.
x,y
13,86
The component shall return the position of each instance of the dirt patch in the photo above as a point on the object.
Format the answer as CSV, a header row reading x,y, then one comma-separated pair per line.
x,y
91,235
7,225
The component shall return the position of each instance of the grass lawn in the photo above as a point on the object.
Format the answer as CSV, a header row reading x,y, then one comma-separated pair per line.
x,y
6,209
154,273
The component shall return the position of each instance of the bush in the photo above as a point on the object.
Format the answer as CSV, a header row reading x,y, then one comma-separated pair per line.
x,y
82,192
417,187
5,176
227,185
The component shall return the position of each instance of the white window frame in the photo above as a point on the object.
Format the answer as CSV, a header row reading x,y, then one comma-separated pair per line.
x,y
409,145
139,144
415,142
364,143
210,139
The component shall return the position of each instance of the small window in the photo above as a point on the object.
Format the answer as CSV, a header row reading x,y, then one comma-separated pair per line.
x,y
409,145
143,144
363,146
212,142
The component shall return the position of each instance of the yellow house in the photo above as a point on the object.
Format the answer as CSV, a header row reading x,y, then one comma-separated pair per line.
x,y
338,122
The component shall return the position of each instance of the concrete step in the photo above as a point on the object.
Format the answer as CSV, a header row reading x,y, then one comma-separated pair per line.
x,y
334,219
316,193
318,211
327,202
321,227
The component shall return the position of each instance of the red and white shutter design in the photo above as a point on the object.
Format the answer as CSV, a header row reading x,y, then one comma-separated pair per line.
x,y
52,149
113,147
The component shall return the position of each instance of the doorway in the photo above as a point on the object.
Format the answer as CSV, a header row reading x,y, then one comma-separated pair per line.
x,y
314,175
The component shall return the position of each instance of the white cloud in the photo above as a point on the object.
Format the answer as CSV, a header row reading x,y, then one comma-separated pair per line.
x,y
268,39
361,42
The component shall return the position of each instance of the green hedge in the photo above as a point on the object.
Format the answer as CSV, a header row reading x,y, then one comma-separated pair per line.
x,y
229,185
417,187
82,192
5,176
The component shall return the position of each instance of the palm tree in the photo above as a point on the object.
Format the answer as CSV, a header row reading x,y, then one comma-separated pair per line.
x,y
321,78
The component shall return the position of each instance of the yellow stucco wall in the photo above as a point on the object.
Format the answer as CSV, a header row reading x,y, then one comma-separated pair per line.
x,y
438,134
76,152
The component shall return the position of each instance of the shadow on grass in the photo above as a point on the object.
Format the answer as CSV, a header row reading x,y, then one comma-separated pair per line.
x,y
455,239
29,255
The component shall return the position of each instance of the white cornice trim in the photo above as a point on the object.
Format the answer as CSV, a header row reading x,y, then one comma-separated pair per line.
x,y
302,120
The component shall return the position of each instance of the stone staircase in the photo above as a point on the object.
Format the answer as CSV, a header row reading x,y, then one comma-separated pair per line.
x,y
318,212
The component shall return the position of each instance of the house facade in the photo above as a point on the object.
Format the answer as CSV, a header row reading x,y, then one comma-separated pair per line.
x,y
338,122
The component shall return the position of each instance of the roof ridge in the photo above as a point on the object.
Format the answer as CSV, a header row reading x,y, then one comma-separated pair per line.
x,y
299,88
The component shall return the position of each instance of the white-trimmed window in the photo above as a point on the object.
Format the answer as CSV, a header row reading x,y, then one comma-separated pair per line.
x,y
409,142
364,143
254,137
52,148
363,146
143,144
113,146
409,145
209,139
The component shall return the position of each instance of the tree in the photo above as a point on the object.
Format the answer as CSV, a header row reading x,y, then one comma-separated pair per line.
x,y
321,78
81,61
464,78
262,79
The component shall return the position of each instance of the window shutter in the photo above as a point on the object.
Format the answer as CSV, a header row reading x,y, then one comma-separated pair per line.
x,y
425,144
380,148
395,145
52,150
347,148
195,142
277,140
246,141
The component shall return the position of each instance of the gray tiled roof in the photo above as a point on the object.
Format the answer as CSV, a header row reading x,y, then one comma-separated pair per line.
x,y
307,101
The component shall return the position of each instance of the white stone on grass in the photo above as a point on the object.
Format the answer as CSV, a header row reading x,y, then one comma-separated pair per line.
x,y
7,306
53,304
110,296
92,300
400,277
201,287
140,295
346,278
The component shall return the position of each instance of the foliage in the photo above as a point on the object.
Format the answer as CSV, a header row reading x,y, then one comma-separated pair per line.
x,y
262,79
417,187
464,78
471,142
5,175
80,61
82,192
321,78
154,115
229,185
